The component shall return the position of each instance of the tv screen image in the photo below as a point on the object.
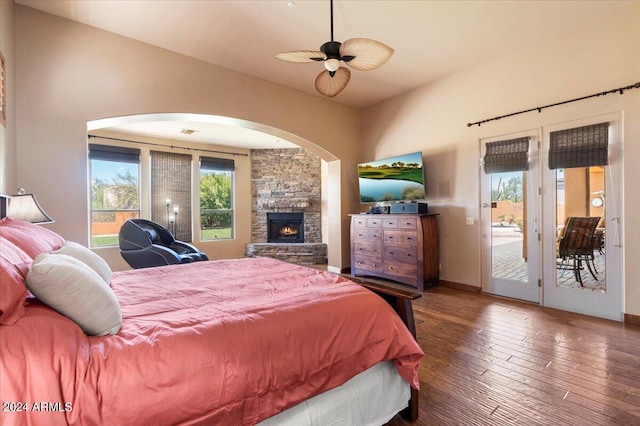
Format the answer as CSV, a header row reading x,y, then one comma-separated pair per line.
x,y
398,178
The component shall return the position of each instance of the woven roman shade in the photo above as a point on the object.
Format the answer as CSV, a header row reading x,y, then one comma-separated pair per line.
x,y
580,147
171,179
507,156
114,153
217,164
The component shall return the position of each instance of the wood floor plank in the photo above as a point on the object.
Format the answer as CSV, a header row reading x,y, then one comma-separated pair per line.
x,y
495,361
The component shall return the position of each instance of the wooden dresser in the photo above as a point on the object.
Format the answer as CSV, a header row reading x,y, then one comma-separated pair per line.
x,y
399,247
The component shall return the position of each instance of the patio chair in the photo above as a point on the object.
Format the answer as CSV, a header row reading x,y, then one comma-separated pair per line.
x,y
576,245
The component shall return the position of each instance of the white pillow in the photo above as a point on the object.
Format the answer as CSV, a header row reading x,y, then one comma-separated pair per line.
x,y
88,257
76,291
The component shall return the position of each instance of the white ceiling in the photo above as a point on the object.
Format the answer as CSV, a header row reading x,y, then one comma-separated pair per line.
x,y
431,39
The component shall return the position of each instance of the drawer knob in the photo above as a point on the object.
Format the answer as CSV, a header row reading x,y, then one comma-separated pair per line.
x,y
391,252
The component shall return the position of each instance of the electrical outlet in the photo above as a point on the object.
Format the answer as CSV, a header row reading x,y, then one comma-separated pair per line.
x,y
470,221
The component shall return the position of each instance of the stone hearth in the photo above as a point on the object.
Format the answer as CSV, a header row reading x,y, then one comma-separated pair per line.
x,y
300,253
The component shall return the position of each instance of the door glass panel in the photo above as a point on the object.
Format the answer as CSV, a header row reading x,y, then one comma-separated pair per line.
x,y
508,230
580,242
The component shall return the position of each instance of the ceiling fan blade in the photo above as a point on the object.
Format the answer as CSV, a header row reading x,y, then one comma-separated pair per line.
x,y
367,54
330,86
301,56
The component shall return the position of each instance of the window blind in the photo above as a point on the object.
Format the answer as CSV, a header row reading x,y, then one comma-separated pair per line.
x,y
579,147
171,179
114,153
217,164
507,156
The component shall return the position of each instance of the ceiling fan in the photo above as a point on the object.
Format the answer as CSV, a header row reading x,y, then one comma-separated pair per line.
x,y
359,53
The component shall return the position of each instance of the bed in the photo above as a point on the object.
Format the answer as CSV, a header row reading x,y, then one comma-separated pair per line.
x,y
242,342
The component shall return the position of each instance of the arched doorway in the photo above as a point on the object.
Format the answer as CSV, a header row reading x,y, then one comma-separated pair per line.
x,y
237,134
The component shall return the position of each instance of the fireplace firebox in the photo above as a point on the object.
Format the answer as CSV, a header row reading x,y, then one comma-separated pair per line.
x,y
285,227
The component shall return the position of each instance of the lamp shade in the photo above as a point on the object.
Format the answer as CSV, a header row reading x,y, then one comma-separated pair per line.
x,y
25,207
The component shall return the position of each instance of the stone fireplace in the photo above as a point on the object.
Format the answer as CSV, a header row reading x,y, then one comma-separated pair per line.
x,y
286,206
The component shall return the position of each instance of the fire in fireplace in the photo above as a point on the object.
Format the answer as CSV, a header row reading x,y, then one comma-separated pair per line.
x,y
285,227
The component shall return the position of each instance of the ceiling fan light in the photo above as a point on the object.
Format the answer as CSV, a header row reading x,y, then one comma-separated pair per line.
x,y
332,64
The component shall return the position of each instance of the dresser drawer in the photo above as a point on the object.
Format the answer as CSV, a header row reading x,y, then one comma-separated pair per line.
x,y
408,238
368,249
371,235
390,222
368,264
401,271
408,223
400,254
374,222
359,222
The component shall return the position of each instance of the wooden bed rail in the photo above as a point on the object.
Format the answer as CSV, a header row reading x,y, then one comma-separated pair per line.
x,y
400,300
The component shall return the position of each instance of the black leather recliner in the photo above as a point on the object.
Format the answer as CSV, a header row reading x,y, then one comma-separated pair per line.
x,y
144,244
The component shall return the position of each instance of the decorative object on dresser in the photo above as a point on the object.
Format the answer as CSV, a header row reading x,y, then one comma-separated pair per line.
x,y
399,247
411,208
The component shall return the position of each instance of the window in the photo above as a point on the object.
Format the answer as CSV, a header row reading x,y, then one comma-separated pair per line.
x,y
115,191
171,193
216,198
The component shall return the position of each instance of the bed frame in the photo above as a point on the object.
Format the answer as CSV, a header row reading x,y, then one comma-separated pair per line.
x,y
399,298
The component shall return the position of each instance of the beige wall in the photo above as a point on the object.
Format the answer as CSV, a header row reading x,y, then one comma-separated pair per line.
x,y
599,56
8,183
70,74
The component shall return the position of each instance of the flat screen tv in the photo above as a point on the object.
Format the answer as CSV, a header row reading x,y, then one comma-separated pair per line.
x,y
398,178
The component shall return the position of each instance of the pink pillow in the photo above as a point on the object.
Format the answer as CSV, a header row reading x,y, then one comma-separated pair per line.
x,y
14,265
32,239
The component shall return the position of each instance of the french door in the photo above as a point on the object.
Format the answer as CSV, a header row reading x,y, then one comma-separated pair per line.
x,y
593,284
524,213
509,212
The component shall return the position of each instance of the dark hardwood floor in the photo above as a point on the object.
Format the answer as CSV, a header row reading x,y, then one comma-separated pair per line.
x,y
494,361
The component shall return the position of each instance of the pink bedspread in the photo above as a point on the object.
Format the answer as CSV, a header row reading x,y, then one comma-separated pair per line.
x,y
225,342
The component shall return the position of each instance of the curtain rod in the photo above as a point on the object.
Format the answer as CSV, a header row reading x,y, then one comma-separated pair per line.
x,y
165,146
539,109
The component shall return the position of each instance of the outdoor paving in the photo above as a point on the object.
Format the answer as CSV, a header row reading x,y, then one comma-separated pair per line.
x,y
509,264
